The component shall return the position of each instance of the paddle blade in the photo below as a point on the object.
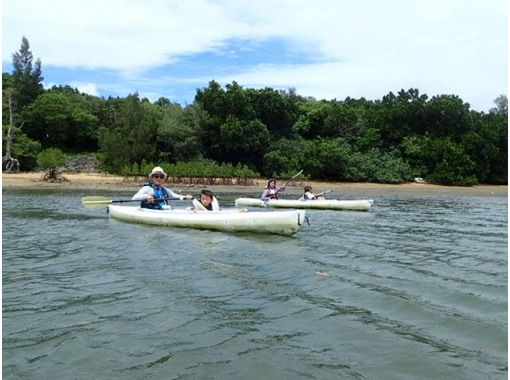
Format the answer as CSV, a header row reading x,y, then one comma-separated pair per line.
x,y
301,171
95,202
292,178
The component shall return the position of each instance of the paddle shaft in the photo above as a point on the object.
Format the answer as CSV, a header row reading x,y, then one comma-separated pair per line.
x,y
100,202
290,180
138,200
324,192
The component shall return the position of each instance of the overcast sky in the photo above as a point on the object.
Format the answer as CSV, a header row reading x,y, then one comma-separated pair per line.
x,y
325,49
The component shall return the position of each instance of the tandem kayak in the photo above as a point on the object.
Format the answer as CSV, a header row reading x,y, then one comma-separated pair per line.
x,y
271,222
327,204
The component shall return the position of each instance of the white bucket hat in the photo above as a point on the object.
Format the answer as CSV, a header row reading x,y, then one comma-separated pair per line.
x,y
157,169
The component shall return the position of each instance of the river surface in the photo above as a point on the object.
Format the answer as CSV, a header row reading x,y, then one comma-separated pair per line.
x,y
414,288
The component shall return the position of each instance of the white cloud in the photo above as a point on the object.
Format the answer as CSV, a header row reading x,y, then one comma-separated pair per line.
x,y
374,76
113,34
363,48
129,34
86,88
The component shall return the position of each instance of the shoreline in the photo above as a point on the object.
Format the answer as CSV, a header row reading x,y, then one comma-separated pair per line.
x,y
96,181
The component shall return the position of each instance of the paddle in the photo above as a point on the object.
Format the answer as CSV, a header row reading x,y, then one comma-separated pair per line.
x,y
319,195
96,202
290,180
281,187
324,192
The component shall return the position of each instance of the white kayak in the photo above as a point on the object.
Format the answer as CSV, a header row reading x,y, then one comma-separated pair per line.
x,y
272,222
326,204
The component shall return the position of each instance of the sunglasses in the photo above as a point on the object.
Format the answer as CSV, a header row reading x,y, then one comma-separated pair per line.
x,y
161,176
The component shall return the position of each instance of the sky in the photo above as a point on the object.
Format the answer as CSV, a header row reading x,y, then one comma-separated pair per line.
x,y
324,49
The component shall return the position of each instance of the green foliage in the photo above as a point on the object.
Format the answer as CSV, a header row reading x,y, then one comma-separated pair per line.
x,y
244,141
198,168
330,120
447,115
89,103
327,159
23,148
335,159
284,156
487,145
50,159
377,166
276,110
440,160
179,132
343,121
238,103
114,148
6,91
138,124
446,173
59,120
260,130
278,113
213,100
26,79
311,119
133,136
398,116
501,105
369,139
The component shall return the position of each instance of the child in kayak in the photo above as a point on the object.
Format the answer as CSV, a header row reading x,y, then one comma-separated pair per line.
x,y
271,191
155,189
310,195
206,202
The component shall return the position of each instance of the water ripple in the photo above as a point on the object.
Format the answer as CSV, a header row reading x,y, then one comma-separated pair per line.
x,y
417,287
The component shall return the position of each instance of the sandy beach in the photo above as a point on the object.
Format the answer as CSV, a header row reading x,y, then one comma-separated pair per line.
x,y
91,181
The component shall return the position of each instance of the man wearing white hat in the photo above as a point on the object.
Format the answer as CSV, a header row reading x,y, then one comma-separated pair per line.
x,y
154,194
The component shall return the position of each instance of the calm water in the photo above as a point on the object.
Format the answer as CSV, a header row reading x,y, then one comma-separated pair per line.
x,y
415,288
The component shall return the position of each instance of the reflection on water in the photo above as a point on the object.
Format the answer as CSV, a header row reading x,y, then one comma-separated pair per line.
x,y
417,287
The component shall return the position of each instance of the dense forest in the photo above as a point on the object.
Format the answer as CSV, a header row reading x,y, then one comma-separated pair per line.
x,y
240,131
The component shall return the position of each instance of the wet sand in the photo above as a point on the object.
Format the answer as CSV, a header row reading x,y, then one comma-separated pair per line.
x,y
91,181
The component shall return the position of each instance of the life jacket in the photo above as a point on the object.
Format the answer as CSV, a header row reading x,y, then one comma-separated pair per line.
x,y
199,206
307,197
272,193
213,206
159,192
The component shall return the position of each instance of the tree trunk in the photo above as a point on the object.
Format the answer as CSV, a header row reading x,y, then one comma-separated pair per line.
x,y
10,163
9,130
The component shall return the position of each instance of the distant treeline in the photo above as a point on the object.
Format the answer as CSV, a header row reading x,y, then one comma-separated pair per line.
x,y
261,132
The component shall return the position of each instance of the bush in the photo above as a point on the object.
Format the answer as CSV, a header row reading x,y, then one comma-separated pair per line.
x,y
24,149
446,174
193,170
378,166
284,157
50,160
440,160
327,159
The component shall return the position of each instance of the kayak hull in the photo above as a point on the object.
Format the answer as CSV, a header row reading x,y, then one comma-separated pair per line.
x,y
275,222
327,204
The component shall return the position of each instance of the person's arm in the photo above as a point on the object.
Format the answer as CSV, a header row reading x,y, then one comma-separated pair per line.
x,y
281,188
141,195
264,196
171,194
309,196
